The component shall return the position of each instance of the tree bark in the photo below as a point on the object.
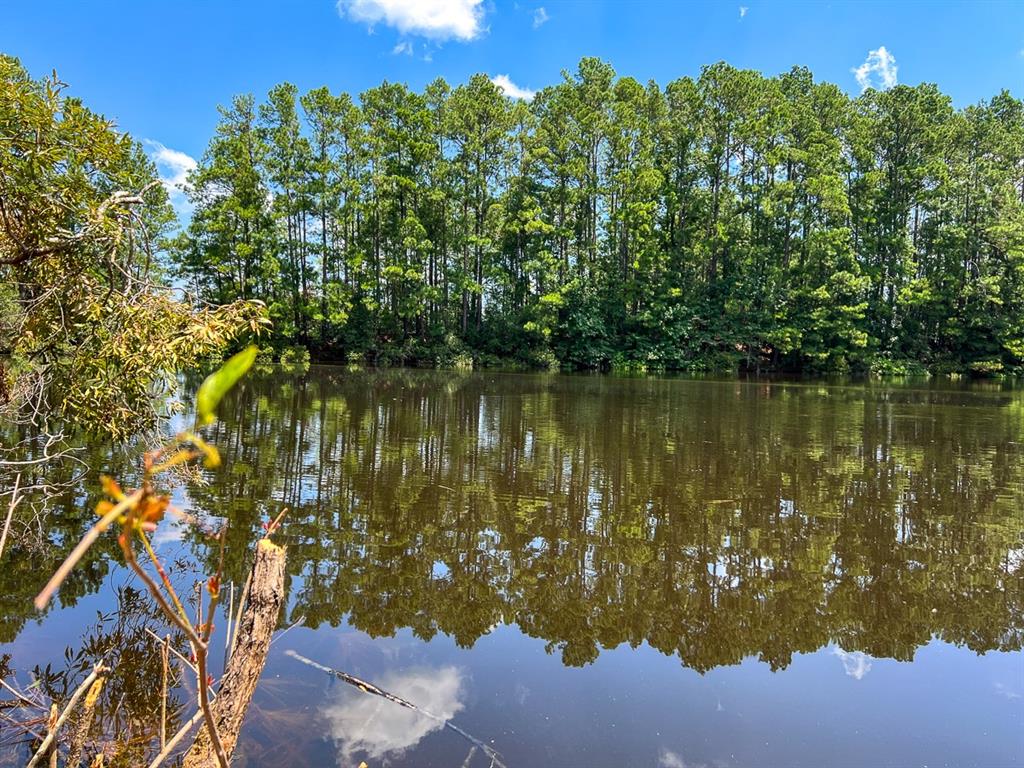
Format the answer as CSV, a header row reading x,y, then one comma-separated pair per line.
x,y
256,625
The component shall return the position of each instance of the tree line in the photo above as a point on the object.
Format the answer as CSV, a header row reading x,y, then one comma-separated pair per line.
x,y
728,220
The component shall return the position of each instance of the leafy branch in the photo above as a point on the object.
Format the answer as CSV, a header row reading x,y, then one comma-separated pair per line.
x,y
137,513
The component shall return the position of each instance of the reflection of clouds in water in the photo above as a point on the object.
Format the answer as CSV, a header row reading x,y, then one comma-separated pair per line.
x,y
168,533
1004,690
363,723
855,664
670,759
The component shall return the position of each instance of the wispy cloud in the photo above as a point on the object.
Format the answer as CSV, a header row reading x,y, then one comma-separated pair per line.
x,y
877,71
436,19
511,89
402,47
743,11
856,664
540,16
173,167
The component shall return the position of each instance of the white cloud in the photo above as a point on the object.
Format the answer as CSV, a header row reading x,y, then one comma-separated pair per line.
x,y
856,664
172,164
511,89
877,71
670,759
539,17
403,47
173,167
436,19
743,11
362,723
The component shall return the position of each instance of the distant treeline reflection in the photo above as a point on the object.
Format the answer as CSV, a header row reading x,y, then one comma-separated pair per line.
x,y
712,520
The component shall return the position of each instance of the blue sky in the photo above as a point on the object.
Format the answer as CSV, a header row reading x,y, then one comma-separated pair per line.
x,y
160,69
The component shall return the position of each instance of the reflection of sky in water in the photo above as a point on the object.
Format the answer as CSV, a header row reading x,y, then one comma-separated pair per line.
x,y
379,728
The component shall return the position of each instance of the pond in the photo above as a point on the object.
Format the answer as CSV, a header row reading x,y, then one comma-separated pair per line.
x,y
600,571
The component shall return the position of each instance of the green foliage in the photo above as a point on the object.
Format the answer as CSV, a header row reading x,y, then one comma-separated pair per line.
x,y
91,334
885,366
986,368
726,221
295,358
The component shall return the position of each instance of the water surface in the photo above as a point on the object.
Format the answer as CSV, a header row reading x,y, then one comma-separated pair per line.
x,y
598,571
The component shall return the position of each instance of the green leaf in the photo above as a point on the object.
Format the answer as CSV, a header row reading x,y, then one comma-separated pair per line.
x,y
217,384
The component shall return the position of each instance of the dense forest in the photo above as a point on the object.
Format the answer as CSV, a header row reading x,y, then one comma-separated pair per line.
x,y
728,221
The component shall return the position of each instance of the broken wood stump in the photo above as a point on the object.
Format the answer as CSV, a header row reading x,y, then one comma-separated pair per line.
x,y
263,600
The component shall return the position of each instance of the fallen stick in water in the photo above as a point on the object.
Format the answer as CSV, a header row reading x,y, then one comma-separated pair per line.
x,y
254,628
370,688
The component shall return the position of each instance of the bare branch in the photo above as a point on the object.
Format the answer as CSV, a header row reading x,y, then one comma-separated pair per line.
x,y
98,671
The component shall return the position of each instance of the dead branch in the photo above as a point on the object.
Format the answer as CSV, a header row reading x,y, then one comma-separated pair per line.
x,y
84,722
98,671
10,513
255,627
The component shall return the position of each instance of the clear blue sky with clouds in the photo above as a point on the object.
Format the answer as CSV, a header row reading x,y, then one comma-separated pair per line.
x,y
161,69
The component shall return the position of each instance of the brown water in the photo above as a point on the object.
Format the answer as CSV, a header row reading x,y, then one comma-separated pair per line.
x,y
598,571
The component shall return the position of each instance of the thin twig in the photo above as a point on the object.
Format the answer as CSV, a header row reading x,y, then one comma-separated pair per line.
x,y
227,633
272,527
176,739
165,658
87,541
199,647
20,696
201,659
204,703
181,657
288,629
10,513
44,748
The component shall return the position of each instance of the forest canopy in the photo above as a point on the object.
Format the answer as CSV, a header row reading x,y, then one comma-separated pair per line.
x,y
724,221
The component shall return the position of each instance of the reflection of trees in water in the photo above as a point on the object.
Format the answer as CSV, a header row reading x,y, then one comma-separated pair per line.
x,y
55,510
711,520
127,713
